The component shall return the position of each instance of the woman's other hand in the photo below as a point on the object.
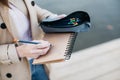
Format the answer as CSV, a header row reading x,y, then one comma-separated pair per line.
x,y
61,16
33,50
54,17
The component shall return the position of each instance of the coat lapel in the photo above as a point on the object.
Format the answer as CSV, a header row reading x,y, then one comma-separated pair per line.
x,y
37,33
19,4
31,14
6,18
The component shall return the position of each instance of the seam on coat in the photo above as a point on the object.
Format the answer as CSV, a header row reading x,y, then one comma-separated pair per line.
x,y
8,54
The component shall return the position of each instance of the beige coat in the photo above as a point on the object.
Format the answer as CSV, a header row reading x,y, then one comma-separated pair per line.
x,y
11,67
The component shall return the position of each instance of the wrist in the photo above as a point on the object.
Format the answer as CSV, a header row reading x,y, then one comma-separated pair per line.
x,y
19,52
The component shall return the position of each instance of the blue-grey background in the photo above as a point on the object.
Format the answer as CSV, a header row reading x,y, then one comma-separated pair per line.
x,y
105,18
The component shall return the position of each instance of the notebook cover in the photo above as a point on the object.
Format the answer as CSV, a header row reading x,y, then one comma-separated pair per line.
x,y
58,51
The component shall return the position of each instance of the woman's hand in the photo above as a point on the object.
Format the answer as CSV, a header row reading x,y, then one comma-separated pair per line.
x,y
33,50
61,16
54,17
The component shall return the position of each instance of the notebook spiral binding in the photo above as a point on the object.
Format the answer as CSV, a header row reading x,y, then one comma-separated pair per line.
x,y
70,45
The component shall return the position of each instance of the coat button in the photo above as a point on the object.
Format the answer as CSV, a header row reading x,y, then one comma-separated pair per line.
x,y
3,26
9,75
32,3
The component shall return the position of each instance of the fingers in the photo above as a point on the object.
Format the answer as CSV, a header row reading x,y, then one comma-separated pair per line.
x,y
37,53
43,44
62,16
45,50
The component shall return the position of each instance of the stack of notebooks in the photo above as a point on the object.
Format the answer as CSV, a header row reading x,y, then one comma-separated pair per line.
x,y
61,34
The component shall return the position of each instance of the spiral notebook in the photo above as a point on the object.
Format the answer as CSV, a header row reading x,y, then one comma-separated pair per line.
x,y
62,45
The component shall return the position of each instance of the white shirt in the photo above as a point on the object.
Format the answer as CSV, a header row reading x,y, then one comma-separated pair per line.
x,y
21,22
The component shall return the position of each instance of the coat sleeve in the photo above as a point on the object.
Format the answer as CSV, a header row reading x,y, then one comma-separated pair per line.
x,y
8,54
43,13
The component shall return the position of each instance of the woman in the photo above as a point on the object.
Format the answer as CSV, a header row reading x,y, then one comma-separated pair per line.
x,y
19,20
